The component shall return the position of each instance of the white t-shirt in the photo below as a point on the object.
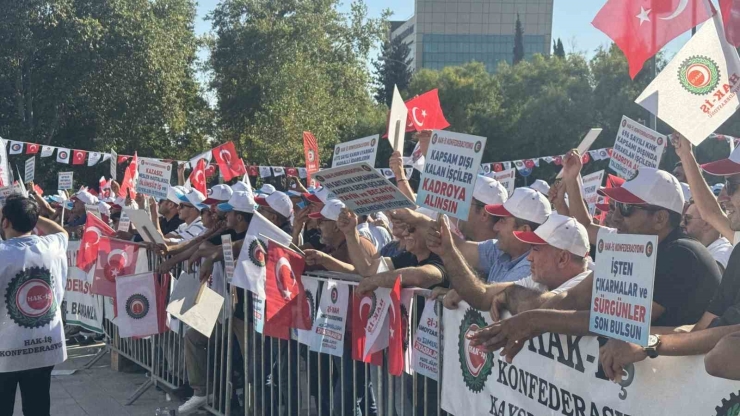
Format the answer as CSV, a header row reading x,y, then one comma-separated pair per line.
x,y
529,283
33,274
192,230
721,249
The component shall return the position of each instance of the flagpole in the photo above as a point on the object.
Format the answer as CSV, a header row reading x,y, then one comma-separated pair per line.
x,y
654,64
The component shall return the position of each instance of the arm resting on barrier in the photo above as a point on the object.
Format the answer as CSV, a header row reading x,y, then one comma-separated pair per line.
x,y
423,276
724,360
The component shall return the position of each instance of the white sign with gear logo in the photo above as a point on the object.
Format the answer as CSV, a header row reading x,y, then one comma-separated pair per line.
x,y
331,319
622,294
356,151
557,374
450,172
154,178
311,287
636,146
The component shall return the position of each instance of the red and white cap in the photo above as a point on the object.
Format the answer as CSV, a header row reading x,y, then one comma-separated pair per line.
x,y
331,210
489,191
560,232
278,201
526,204
650,187
724,167
217,194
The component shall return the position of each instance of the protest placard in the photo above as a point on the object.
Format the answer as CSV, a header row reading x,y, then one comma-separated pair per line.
x,y
194,303
124,223
30,173
228,256
65,181
591,185
425,350
356,151
113,164
507,178
331,319
363,189
450,172
636,146
585,144
622,294
397,121
154,178
144,225
92,209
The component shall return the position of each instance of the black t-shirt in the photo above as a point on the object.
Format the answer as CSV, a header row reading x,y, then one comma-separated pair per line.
x,y
407,259
216,240
726,301
686,279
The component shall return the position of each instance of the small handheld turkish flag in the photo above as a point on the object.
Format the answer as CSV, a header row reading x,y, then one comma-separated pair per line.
x,y
286,297
395,324
88,251
425,112
129,179
228,161
115,258
198,177
731,19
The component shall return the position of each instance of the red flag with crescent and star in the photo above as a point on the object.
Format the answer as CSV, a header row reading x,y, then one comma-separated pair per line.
x,y
129,179
32,148
731,19
78,157
198,177
311,152
642,27
286,297
395,325
229,163
425,112
95,228
115,258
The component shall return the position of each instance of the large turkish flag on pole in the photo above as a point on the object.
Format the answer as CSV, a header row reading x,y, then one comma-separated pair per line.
x,y
642,27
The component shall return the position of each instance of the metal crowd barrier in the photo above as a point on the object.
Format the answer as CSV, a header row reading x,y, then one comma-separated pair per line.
x,y
278,377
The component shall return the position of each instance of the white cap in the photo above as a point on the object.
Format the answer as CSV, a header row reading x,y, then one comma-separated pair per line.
x,y
219,193
526,204
541,186
320,195
240,201
331,210
104,208
266,189
241,186
686,191
194,198
173,194
489,191
560,232
86,197
278,201
650,187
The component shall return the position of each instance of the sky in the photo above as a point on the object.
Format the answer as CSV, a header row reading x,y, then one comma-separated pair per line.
x,y
571,22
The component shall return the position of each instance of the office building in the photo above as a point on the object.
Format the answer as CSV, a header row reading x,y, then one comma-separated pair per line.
x,y
454,32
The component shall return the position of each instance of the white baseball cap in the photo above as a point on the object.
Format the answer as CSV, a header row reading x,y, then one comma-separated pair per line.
x,y
240,201
526,204
724,167
540,185
86,197
319,196
686,191
174,193
104,208
278,201
194,198
560,232
331,210
241,186
650,187
217,194
266,189
489,191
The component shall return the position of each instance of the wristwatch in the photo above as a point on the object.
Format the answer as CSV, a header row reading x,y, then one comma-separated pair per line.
x,y
652,349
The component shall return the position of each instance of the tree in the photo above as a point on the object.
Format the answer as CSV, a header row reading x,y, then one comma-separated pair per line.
x,y
392,68
559,50
518,41
282,67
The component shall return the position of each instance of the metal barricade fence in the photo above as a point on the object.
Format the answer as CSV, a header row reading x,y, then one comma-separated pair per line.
x,y
251,374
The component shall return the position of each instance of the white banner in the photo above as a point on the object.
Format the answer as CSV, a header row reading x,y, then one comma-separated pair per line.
x,y
591,185
47,151
425,350
356,151
636,146
81,307
30,173
331,319
154,178
560,375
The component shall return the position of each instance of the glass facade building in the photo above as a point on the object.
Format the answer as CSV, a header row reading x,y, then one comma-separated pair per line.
x,y
454,32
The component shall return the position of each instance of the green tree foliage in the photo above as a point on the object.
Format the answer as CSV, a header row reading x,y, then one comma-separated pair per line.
x,y
518,41
282,67
101,74
558,49
392,68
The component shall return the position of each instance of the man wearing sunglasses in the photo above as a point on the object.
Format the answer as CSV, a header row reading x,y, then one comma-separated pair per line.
x,y
686,276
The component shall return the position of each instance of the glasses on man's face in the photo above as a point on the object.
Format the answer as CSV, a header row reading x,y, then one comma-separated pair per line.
x,y
731,186
626,210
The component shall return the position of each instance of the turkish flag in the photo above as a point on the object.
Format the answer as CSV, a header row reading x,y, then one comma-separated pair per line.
x,y
78,157
311,152
198,177
286,297
291,171
731,19
115,258
230,164
425,112
32,148
88,251
38,189
395,325
129,179
122,159
254,170
363,310
642,27
210,171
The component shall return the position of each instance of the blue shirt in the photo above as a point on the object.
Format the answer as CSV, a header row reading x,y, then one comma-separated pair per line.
x,y
499,265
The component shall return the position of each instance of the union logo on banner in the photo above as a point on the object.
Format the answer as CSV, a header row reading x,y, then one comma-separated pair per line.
x,y
476,364
30,298
137,306
257,250
699,75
